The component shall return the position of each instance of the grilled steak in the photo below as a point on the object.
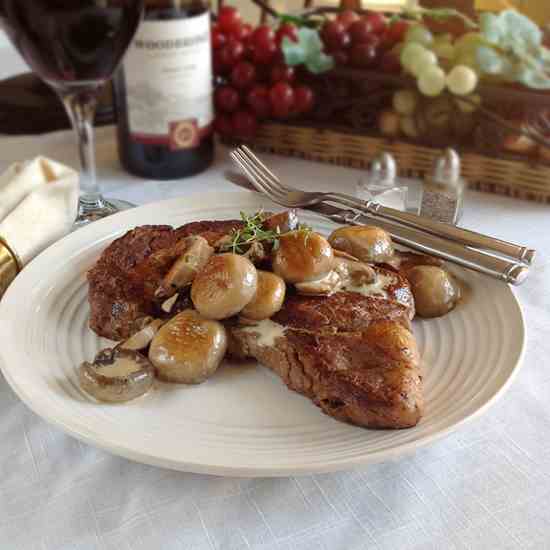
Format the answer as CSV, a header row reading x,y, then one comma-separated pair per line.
x,y
353,355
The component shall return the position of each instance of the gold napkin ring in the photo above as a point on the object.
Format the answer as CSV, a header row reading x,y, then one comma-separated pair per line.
x,y
10,266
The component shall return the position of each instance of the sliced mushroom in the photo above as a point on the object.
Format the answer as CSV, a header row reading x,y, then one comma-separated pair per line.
x,y
345,255
366,242
435,291
168,305
144,337
354,272
256,253
184,270
188,349
223,243
302,256
325,286
282,222
268,299
117,375
402,261
225,286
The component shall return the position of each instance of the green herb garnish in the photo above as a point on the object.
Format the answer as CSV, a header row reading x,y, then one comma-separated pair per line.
x,y
252,232
240,240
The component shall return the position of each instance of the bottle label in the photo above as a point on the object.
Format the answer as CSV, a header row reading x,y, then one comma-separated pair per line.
x,y
168,71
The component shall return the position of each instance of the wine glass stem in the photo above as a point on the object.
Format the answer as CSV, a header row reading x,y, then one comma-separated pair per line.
x,y
81,108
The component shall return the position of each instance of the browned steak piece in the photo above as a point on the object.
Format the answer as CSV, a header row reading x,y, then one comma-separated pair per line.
x,y
123,281
367,377
343,311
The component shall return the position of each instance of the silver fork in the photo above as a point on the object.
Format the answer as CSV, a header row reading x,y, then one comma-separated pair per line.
x,y
294,198
509,272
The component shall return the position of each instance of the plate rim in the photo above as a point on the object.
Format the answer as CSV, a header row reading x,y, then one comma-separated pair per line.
x,y
223,469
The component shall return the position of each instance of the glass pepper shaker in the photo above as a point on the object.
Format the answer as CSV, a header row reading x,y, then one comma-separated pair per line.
x,y
380,184
443,189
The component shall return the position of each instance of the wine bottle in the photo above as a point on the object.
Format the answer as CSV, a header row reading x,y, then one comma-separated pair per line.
x,y
163,92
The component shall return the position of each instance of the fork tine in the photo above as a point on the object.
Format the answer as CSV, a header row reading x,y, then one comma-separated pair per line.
x,y
259,182
267,172
260,176
244,168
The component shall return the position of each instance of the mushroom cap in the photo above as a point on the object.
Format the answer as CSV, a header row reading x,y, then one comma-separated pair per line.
x,y
225,286
302,256
435,290
268,299
366,242
117,375
188,349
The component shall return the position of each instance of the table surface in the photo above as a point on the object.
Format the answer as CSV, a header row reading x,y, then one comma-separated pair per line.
x,y
485,487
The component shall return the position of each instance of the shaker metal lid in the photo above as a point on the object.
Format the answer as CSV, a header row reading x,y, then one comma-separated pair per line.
x,y
446,167
10,266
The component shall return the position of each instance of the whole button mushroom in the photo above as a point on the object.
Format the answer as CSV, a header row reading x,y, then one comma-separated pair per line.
x,y
435,291
367,243
226,284
268,299
302,256
188,349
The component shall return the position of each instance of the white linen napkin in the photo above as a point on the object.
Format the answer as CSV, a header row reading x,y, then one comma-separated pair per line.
x,y
38,205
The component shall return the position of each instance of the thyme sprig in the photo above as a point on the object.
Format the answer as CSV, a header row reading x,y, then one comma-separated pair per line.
x,y
253,231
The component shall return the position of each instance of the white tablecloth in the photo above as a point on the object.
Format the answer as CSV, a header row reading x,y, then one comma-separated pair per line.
x,y
485,487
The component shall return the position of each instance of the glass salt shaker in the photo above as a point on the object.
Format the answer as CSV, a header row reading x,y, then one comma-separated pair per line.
x,y
380,185
443,190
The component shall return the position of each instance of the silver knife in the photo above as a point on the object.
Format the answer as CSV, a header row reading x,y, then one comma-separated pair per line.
x,y
508,272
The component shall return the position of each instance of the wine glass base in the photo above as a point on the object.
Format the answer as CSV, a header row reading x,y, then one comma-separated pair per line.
x,y
109,207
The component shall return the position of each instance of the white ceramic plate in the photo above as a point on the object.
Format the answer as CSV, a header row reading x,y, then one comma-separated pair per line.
x,y
243,421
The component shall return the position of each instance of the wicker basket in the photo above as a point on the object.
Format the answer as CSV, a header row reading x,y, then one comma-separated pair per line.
x,y
343,138
520,178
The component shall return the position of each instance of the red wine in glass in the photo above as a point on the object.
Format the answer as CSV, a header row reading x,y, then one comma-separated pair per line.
x,y
75,46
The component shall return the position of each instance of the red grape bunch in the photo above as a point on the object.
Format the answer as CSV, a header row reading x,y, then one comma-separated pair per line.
x,y
364,42
253,81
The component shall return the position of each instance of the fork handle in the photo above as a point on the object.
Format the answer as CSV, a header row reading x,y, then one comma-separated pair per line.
x,y
509,272
456,234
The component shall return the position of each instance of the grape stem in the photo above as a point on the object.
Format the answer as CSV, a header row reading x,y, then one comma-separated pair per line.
x,y
439,14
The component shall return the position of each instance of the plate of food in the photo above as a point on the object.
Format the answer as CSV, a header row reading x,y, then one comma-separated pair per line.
x,y
220,334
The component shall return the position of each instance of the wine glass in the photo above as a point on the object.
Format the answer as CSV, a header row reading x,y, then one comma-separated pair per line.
x,y
75,47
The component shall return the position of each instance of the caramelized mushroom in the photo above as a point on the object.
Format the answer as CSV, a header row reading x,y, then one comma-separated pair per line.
x,y
256,253
140,340
168,305
282,222
355,273
435,291
366,242
188,349
117,375
268,299
302,256
194,257
225,286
